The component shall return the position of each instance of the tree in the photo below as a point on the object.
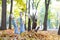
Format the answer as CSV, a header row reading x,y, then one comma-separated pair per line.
x,y
25,19
25,14
59,30
21,5
10,14
29,20
3,21
34,19
46,14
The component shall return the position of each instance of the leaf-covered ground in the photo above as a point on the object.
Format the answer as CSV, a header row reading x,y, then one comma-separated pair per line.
x,y
31,35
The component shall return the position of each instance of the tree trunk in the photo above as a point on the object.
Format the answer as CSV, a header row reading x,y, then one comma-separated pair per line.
x,y
34,19
3,21
25,18
10,14
46,14
34,24
29,20
29,24
59,30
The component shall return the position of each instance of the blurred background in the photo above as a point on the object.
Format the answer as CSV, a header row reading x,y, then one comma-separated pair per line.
x,y
22,6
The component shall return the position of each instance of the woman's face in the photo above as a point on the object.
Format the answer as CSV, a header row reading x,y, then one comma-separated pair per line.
x,y
21,14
